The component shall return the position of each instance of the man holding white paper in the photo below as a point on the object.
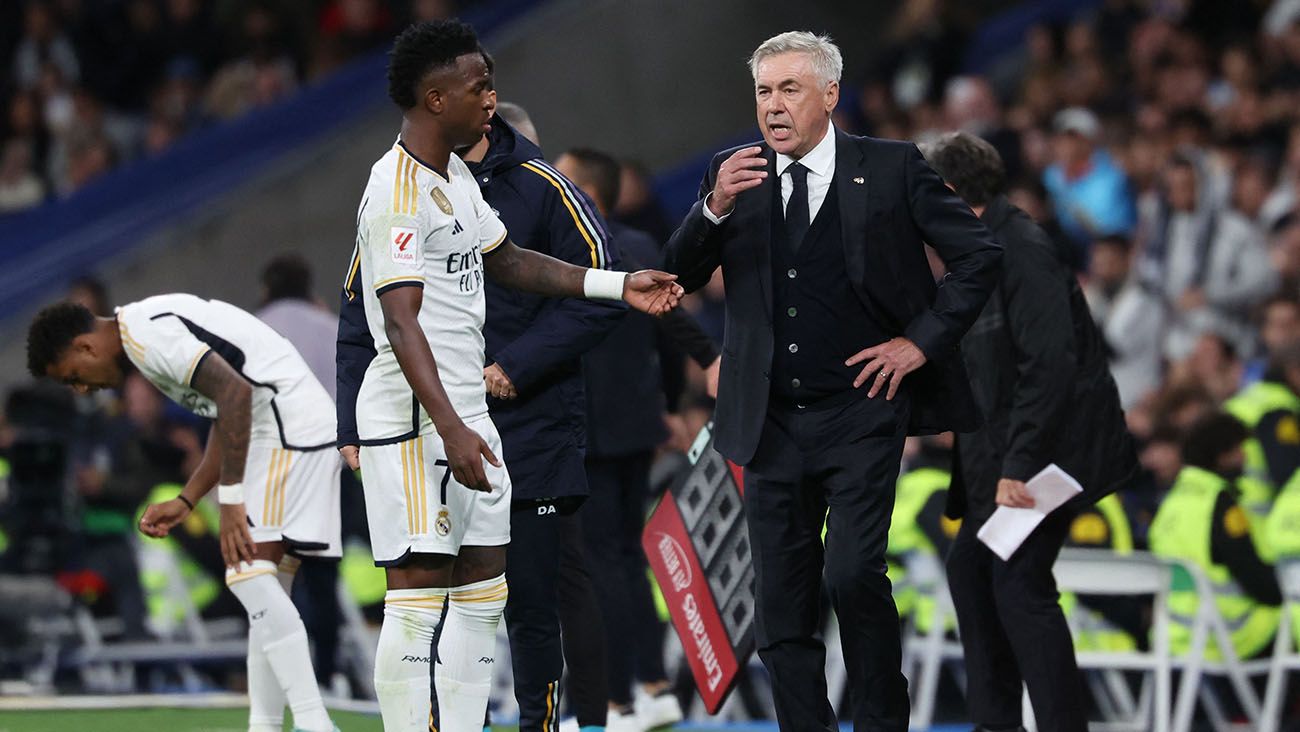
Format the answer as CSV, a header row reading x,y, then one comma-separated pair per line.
x,y
1054,429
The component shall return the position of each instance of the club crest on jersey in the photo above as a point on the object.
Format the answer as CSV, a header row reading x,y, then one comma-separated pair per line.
x,y
442,524
404,245
440,198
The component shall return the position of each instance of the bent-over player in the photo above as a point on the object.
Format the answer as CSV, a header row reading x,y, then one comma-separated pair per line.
x,y
268,455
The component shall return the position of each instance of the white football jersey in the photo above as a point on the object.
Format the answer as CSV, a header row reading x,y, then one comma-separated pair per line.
x,y
417,228
168,336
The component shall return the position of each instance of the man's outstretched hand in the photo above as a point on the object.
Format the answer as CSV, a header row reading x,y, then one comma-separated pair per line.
x,y
652,291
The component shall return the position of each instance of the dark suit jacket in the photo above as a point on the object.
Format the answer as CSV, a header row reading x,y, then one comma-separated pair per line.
x,y
891,203
1040,377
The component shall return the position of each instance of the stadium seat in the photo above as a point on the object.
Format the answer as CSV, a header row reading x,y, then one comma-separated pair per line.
x,y
924,652
1285,656
1101,572
1210,627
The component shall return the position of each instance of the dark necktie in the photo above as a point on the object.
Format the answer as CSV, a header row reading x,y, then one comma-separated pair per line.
x,y
796,211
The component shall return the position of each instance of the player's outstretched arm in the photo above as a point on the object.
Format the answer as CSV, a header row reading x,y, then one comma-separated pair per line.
x,y
465,448
160,518
233,395
649,290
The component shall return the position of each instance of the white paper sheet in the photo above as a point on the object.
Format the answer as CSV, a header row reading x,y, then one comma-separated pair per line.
x,y
1008,527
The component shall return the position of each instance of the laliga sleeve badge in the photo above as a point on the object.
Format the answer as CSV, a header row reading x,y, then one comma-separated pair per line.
x,y
440,198
442,524
404,245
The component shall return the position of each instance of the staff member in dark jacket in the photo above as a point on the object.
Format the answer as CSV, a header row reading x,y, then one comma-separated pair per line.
x,y
1038,369
838,343
534,382
625,424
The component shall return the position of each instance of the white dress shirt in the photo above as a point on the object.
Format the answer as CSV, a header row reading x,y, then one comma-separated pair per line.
x,y
820,162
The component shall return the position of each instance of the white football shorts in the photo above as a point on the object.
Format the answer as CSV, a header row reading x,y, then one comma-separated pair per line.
x,y
414,504
293,496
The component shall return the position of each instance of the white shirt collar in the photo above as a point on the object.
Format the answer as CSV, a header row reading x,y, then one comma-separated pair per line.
x,y
820,160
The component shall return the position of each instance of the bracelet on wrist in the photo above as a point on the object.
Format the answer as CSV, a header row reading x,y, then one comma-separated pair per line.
x,y
185,500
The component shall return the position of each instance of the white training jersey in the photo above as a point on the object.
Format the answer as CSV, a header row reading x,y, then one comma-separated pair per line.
x,y
418,228
168,336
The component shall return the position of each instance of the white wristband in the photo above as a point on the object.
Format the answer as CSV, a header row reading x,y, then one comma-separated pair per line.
x,y
603,284
233,493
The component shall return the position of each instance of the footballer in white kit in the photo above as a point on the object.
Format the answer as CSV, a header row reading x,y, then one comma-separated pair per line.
x,y
417,228
437,493
270,455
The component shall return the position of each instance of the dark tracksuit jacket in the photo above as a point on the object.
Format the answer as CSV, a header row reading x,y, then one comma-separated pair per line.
x,y
538,342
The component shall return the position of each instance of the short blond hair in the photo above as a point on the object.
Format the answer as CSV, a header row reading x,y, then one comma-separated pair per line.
x,y
827,63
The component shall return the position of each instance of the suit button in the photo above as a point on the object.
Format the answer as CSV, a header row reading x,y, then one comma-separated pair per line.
x,y
791,312
794,348
791,273
795,383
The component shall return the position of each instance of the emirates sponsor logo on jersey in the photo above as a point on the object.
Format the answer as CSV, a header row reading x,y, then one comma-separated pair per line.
x,y
404,245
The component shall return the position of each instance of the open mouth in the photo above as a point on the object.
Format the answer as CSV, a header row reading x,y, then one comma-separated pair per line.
x,y
779,131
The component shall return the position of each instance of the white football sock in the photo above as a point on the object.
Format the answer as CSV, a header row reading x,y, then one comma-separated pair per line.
x,y
467,653
275,627
265,697
404,655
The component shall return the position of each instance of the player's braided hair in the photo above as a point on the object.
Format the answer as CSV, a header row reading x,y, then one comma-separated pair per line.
x,y
421,48
52,332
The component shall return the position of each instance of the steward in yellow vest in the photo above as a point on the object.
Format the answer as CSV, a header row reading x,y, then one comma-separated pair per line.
x,y
1201,521
918,524
1270,410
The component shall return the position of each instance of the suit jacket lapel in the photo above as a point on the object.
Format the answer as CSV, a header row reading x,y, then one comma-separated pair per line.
x,y
852,182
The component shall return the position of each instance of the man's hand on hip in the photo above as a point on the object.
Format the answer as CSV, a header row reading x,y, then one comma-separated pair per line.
x,y
1014,493
498,384
890,362
738,173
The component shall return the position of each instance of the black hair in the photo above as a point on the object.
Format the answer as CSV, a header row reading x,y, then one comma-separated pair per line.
x,y
52,331
970,164
288,276
422,48
602,171
1210,437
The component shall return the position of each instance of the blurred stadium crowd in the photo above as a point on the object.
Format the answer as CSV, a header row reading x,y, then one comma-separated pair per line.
x,y
91,85
1157,142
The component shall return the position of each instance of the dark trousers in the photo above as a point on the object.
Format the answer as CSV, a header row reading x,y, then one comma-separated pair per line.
x,y
582,629
542,533
1013,630
315,593
612,520
845,459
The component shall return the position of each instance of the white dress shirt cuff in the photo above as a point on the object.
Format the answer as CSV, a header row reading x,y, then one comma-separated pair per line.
x,y
708,214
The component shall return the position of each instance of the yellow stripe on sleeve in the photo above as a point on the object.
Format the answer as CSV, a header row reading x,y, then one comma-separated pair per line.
x,y
564,196
397,181
493,246
413,194
194,363
353,270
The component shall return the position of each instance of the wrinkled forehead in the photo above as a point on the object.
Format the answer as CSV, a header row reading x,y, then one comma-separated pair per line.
x,y
783,67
